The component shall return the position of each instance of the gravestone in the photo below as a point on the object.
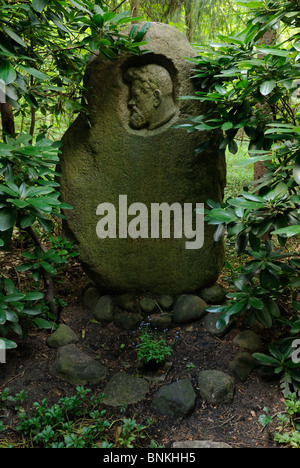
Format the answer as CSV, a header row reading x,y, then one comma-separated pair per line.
x,y
128,153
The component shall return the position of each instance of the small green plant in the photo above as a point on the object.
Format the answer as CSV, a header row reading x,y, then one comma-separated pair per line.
x,y
151,347
289,422
73,422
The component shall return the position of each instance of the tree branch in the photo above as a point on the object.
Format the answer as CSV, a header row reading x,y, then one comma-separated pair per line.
x,y
48,280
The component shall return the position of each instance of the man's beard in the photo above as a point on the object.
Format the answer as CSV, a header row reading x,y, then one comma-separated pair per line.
x,y
138,119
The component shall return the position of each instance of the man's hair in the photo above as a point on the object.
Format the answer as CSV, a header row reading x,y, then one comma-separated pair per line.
x,y
152,76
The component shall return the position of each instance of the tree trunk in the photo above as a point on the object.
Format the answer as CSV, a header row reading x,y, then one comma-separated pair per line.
x,y
7,119
189,19
135,8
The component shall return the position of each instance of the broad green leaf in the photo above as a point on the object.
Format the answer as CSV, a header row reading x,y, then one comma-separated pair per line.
x,y
287,231
108,16
2,315
9,344
9,285
34,72
267,87
20,203
273,308
39,5
256,303
241,202
7,73
216,309
296,45
42,323
15,297
49,268
35,311
222,215
14,36
98,20
269,280
34,296
27,220
34,191
296,173
233,147
273,51
227,126
266,360
12,316
8,218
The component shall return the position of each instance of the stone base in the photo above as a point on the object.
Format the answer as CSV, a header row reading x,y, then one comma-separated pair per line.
x,y
128,311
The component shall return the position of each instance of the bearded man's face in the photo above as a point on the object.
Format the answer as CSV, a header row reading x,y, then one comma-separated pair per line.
x,y
141,105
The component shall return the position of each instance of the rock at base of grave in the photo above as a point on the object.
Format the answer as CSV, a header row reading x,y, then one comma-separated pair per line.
x,y
103,310
248,340
76,367
148,304
91,297
190,444
210,323
128,152
214,294
61,337
176,400
127,320
215,387
188,308
166,301
242,366
125,389
127,302
161,321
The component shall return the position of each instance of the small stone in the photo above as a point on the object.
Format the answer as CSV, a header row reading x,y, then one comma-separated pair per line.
x,y
127,320
125,389
148,305
103,310
189,444
91,297
176,400
127,302
214,294
166,301
248,340
61,337
188,308
76,367
242,366
210,323
161,321
215,387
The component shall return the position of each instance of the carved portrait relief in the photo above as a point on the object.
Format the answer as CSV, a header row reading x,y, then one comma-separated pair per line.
x,y
151,101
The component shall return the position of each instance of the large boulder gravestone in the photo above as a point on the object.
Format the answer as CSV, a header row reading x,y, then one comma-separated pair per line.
x,y
130,154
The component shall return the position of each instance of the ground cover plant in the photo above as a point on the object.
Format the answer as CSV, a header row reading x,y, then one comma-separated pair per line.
x,y
74,422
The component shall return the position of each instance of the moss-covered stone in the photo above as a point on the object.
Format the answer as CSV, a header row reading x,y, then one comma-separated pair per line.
x,y
109,158
62,336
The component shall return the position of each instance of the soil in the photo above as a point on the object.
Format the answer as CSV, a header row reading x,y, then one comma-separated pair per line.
x,y
194,349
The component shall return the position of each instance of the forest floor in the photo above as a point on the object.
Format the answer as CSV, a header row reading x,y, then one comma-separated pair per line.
x,y
194,349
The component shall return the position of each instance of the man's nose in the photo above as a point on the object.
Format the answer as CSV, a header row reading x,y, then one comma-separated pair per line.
x,y
131,103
